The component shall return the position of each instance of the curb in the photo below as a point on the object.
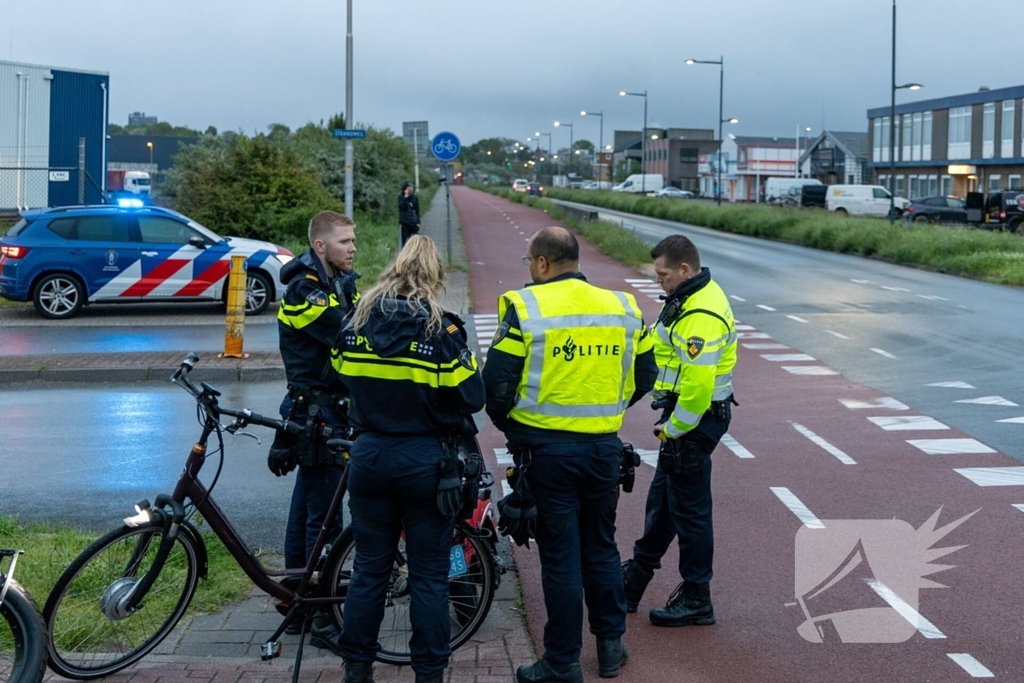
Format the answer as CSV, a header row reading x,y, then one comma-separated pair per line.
x,y
239,373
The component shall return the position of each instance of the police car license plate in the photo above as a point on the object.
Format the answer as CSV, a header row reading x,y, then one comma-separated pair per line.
x,y
457,562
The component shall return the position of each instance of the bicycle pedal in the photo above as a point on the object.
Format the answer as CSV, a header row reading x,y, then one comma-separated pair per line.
x,y
270,650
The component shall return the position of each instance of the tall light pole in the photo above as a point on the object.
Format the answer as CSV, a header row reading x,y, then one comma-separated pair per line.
x,y
600,136
150,145
643,139
349,119
721,94
562,123
892,122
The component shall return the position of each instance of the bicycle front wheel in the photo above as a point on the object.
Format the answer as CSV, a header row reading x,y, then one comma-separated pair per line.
x,y
469,595
91,635
22,639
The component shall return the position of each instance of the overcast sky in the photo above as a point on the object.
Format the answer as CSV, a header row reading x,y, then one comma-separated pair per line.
x,y
484,68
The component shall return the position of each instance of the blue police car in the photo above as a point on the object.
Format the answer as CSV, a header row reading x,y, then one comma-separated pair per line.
x,y
64,258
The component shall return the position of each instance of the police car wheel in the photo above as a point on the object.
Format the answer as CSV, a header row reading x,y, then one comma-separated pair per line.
x,y
258,292
58,296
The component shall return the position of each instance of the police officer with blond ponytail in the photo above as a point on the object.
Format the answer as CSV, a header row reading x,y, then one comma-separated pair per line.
x,y
567,360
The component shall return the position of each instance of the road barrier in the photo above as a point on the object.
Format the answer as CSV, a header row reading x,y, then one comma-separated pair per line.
x,y
235,318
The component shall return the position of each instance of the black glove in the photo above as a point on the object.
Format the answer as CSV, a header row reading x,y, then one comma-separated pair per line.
x,y
449,491
518,518
281,459
666,404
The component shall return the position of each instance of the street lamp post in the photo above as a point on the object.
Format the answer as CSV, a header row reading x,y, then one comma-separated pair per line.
x,y
600,138
892,122
150,145
721,90
643,139
562,123
349,119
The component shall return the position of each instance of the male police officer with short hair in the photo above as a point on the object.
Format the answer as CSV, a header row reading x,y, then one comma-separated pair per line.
x,y
566,362
321,288
695,342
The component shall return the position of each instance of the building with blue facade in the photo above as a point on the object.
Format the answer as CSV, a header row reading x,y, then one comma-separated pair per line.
x,y
46,113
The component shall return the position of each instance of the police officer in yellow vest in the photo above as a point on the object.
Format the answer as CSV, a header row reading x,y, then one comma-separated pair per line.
x,y
695,343
567,360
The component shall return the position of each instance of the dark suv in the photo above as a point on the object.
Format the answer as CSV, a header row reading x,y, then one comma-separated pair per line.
x,y
936,210
1006,209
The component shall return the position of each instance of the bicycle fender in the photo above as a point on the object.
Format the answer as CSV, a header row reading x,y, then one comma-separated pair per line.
x,y
202,558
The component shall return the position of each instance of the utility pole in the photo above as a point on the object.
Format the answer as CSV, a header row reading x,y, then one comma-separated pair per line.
x,y
349,119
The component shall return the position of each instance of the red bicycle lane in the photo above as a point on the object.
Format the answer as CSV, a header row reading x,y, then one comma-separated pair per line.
x,y
802,448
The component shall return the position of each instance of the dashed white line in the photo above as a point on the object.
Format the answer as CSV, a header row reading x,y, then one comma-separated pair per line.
x,y
861,282
765,346
767,308
989,401
809,370
824,445
951,385
737,298
505,488
1019,506
502,456
923,626
1013,420
633,279
993,476
950,446
971,665
797,507
752,335
745,328
733,445
885,402
648,457
836,334
895,423
895,289
796,318
783,357
932,297
884,353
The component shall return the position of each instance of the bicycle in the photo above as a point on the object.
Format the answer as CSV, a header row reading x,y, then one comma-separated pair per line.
x,y
22,638
125,593
444,147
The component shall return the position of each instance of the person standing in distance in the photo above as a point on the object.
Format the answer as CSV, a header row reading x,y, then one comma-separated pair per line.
x,y
414,386
408,212
695,342
320,289
567,360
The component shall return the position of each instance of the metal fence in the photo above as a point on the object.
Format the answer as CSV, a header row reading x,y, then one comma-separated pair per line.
x,y
27,182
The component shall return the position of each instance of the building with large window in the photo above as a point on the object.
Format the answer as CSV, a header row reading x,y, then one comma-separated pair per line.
x,y
675,154
951,145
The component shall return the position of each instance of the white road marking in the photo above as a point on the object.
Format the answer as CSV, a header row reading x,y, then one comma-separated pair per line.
x,y
861,282
485,316
932,297
882,352
735,446
648,457
836,334
950,446
809,370
989,401
736,298
752,335
781,357
796,318
825,445
884,402
1019,506
951,385
767,308
797,507
923,626
893,423
971,665
1013,420
502,456
632,279
765,346
745,328
895,289
506,490
993,476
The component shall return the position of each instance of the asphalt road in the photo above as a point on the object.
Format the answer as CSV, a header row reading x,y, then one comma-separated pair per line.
x,y
899,330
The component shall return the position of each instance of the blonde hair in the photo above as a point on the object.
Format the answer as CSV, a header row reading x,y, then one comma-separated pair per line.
x,y
417,274
324,222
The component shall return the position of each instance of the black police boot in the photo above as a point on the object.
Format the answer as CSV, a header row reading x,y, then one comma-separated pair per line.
x,y
359,672
436,677
543,671
324,634
690,603
611,654
635,578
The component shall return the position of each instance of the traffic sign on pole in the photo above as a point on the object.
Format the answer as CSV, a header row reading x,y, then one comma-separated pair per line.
x,y
445,146
346,134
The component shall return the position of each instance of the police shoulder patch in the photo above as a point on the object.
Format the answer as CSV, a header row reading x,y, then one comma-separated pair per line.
x,y
317,298
694,345
466,359
500,333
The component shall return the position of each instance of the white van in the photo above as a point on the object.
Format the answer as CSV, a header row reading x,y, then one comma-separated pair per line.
x,y
777,189
862,200
641,182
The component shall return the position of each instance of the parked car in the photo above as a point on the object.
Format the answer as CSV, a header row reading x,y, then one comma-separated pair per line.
x,y
936,210
535,189
673,192
641,182
590,185
520,185
776,190
62,259
862,200
1005,209
806,195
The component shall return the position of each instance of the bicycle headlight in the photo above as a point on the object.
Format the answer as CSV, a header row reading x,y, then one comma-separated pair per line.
x,y
140,517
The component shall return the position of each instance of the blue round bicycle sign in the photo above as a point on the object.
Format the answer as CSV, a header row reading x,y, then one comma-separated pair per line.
x,y
445,146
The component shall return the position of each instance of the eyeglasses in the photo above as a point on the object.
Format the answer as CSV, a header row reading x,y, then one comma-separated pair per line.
x,y
527,259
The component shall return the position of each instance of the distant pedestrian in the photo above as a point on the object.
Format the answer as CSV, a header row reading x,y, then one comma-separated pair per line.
x,y
408,212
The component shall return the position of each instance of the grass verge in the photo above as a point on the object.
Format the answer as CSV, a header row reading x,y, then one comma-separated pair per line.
x,y
984,255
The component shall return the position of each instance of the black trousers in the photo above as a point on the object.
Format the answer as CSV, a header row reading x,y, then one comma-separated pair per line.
x,y
408,231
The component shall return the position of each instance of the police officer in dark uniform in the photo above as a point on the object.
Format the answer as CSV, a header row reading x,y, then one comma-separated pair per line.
x,y
414,386
321,287
567,361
